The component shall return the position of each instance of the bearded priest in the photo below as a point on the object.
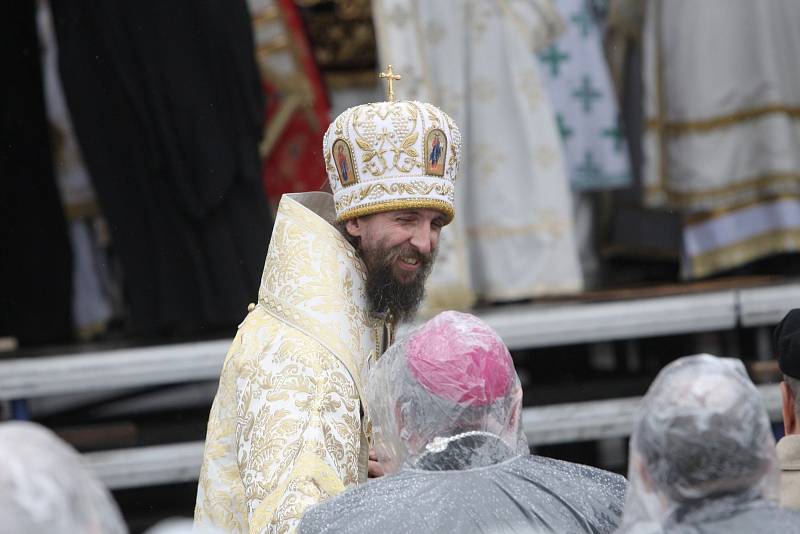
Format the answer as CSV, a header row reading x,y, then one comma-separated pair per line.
x,y
287,427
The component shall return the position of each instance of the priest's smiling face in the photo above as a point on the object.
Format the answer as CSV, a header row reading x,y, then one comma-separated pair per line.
x,y
398,248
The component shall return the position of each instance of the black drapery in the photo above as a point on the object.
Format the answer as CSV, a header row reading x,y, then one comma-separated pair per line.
x,y
35,256
167,107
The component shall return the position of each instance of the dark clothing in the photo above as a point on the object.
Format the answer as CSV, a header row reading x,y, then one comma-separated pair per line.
x,y
35,256
167,107
522,494
754,517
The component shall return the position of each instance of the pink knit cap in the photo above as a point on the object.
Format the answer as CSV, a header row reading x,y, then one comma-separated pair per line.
x,y
458,357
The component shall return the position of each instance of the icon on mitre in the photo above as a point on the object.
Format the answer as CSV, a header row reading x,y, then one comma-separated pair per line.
x,y
435,152
343,158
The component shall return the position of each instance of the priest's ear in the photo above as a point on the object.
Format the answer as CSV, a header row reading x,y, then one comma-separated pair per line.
x,y
354,226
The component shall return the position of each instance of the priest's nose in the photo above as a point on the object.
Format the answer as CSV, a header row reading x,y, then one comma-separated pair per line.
x,y
423,238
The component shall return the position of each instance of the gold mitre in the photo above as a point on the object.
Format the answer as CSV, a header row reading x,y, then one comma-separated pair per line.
x,y
392,155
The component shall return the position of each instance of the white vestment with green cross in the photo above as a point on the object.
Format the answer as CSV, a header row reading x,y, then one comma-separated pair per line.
x,y
576,76
513,234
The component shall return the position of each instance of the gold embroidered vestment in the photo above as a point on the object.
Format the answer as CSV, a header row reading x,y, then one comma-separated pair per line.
x,y
285,430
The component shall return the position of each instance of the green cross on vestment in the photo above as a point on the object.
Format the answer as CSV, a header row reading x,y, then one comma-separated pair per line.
x,y
614,133
553,57
589,170
586,94
563,127
583,18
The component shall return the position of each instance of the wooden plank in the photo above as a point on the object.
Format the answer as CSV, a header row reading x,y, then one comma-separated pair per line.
x,y
766,306
544,425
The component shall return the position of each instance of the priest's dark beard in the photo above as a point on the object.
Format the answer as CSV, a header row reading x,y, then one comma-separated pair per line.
x,y
385,292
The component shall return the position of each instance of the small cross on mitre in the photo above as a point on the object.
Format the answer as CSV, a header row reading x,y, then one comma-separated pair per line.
x,y
390,77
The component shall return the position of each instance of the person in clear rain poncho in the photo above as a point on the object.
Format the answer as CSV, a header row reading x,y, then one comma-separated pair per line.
x,y
445,404
44,488
702,455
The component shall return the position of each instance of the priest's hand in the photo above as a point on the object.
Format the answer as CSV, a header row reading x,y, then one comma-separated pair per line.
x,y
374,469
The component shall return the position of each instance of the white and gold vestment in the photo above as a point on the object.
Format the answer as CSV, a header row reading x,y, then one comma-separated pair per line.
x,y
286,428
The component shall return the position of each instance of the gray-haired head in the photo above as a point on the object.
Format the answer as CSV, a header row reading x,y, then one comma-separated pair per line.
x,y
703,429
701,433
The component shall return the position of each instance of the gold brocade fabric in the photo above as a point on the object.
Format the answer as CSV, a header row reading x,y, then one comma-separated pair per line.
x,y
285,430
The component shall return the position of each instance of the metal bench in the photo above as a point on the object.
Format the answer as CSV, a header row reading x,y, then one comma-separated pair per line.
x,y
521,326
546,425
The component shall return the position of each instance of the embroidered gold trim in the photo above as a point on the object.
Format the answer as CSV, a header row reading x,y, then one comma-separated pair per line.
x,y
699,218
745,251
722,121
399,204
378,189
685,198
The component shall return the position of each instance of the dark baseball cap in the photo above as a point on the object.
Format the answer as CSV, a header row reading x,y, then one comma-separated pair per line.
x,y
786,344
